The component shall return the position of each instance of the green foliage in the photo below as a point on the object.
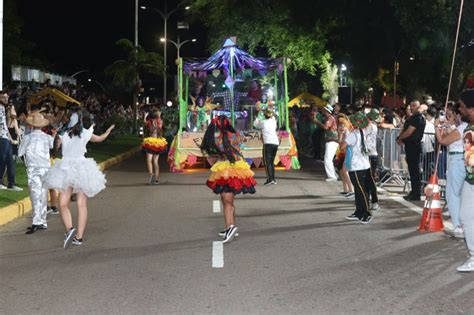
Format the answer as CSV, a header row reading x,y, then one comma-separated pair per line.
x,y
271,26
138,62
329,80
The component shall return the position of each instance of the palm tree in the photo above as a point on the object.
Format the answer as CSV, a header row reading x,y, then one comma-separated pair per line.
x,y
126,73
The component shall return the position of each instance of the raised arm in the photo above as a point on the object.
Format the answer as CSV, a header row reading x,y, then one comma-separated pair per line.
x,y
103,136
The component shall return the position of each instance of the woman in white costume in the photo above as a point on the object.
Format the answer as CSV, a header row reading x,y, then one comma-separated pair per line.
x,y
76,174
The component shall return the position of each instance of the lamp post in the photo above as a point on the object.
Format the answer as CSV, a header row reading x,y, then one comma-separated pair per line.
x,y
98,83
177,44
165,16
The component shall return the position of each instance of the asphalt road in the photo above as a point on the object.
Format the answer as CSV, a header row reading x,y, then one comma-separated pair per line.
x,y
149,250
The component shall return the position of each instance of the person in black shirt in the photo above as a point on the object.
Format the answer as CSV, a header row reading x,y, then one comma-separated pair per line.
x,y
411,137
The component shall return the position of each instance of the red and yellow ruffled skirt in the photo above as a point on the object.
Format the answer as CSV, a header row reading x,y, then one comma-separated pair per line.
x,y
154,145
235,178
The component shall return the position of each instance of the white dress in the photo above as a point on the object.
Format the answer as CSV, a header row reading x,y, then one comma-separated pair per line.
x,y
74,169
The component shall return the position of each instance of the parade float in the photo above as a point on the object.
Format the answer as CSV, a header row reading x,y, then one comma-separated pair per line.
x,y
224,76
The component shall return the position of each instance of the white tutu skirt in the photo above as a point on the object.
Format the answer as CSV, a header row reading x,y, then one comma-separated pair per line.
x,y
82,174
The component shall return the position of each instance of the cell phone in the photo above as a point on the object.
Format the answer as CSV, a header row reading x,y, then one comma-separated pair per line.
x,y
442,116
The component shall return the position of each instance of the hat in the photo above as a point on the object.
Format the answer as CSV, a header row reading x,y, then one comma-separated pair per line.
x,y
359,120
467,97
374,115
37,120
328,108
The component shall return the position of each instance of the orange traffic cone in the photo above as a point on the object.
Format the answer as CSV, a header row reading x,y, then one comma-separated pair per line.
x,y
432,219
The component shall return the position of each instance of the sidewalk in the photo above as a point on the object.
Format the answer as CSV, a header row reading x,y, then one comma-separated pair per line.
x,y
23,207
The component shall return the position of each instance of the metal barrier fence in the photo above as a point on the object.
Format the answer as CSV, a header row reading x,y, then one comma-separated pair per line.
x,y
392,165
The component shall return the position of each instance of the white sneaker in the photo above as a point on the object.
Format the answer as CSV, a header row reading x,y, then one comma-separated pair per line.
x,y
3,186
15,188
375,206
457,232
331,179
468,266
229,236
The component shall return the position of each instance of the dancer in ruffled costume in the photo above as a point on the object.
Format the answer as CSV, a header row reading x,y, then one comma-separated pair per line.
x,y
76,174
154,145
231,175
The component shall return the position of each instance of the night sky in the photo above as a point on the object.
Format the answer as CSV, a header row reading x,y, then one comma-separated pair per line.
x,y
75,35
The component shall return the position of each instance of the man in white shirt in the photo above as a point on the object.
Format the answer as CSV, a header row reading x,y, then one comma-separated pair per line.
x,y
270,143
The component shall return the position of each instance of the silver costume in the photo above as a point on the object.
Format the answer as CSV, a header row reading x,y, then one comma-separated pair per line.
x,y
35,146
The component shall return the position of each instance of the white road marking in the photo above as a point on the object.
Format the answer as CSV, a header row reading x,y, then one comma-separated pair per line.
x,y
216,206
217,255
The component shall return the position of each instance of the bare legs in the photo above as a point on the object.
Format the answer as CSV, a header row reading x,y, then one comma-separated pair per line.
x,y
54,197
64,200
152,165
346,181
229,209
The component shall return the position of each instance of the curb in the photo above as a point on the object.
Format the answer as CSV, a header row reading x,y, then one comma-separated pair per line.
x,y
23,207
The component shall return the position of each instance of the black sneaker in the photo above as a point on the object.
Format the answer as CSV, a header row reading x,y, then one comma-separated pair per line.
x,y
412,198
268,182
53,210
76,241
229,236
32,229
222,233
367,219
68,237
352,217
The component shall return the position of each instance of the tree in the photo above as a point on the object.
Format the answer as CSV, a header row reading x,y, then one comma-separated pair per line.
x,y
127,73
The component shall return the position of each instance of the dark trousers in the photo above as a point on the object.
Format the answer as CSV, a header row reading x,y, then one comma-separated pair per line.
x,y
358,179
6,161
370,181
269,152
413,152
317,138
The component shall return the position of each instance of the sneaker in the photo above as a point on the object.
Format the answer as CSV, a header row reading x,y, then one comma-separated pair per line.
x,y
457,232
331,179
229,236
76,241
52,210
412,198
156,182
349,195
352,217
273,182
367,219
32,229
468,266
222,233
151,180
375,206
15,188
344,192
268,182
68,238
3,186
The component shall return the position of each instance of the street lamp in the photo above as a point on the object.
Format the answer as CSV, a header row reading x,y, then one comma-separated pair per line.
x,y
165,16
96,82
178,43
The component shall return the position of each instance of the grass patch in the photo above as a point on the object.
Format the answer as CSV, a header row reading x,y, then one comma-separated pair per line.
x,y
98,151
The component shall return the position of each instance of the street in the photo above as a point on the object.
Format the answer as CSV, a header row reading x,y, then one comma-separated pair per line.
x,y
149,250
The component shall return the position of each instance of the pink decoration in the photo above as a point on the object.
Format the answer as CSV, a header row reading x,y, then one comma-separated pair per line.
x,y
192,159
257,162
211,160
286,161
